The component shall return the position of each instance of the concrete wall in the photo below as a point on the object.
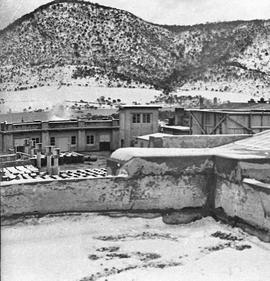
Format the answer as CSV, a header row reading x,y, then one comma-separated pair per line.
x,y
237,189
244,201
148,186
142,143
7,142
194,141
243,191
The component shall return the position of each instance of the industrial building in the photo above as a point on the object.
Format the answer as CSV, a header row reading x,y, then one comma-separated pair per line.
x,y
82,135
136,121
68,135
212,121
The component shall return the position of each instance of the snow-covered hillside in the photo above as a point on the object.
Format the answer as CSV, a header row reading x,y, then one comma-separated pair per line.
x,y
73,42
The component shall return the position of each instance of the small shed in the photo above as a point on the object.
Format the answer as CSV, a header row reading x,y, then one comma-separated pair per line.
x,y
144,141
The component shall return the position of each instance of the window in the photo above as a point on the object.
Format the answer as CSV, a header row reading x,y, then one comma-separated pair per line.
x,y
35,140
146,118
90,139
73,140
20,148
52,141
136,118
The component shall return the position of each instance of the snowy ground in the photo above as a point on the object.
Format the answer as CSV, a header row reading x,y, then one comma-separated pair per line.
x,y
221,96
49,96
94,247
40,98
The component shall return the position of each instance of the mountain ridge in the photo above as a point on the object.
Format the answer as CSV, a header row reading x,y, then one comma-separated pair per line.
x,y
166,26
91,44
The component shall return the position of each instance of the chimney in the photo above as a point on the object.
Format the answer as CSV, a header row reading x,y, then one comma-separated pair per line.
x,y
39,149
49,153
56,156
1,170
27,146
201,102
32,148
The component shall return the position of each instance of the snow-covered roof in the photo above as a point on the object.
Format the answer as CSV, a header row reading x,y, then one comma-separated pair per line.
x,y
257,146
125,154
179,128
260,141
156,135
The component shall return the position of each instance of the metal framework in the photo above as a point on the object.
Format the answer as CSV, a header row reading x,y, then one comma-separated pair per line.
x,y
223,118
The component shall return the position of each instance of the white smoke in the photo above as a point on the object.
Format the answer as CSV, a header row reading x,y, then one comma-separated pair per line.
x,y
59,112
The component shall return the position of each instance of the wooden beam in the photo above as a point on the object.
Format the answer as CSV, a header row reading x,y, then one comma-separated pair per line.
x,y
198,123
218,124
241,125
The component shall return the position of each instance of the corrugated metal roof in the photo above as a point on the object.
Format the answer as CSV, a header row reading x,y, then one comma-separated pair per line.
x,y
257,141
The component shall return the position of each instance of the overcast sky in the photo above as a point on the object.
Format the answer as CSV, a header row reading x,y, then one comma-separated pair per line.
x,y
181,12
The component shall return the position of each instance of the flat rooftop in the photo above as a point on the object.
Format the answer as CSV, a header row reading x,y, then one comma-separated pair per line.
x,y
143,106
126,247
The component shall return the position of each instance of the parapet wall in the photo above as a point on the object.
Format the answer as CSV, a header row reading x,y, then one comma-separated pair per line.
x,y
194,141
243,191
238,189
147,186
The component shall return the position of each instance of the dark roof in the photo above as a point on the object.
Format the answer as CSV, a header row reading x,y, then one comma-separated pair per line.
x,y
242,111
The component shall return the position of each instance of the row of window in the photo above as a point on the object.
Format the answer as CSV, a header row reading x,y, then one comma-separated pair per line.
x,y
89,140
141,118
35,140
